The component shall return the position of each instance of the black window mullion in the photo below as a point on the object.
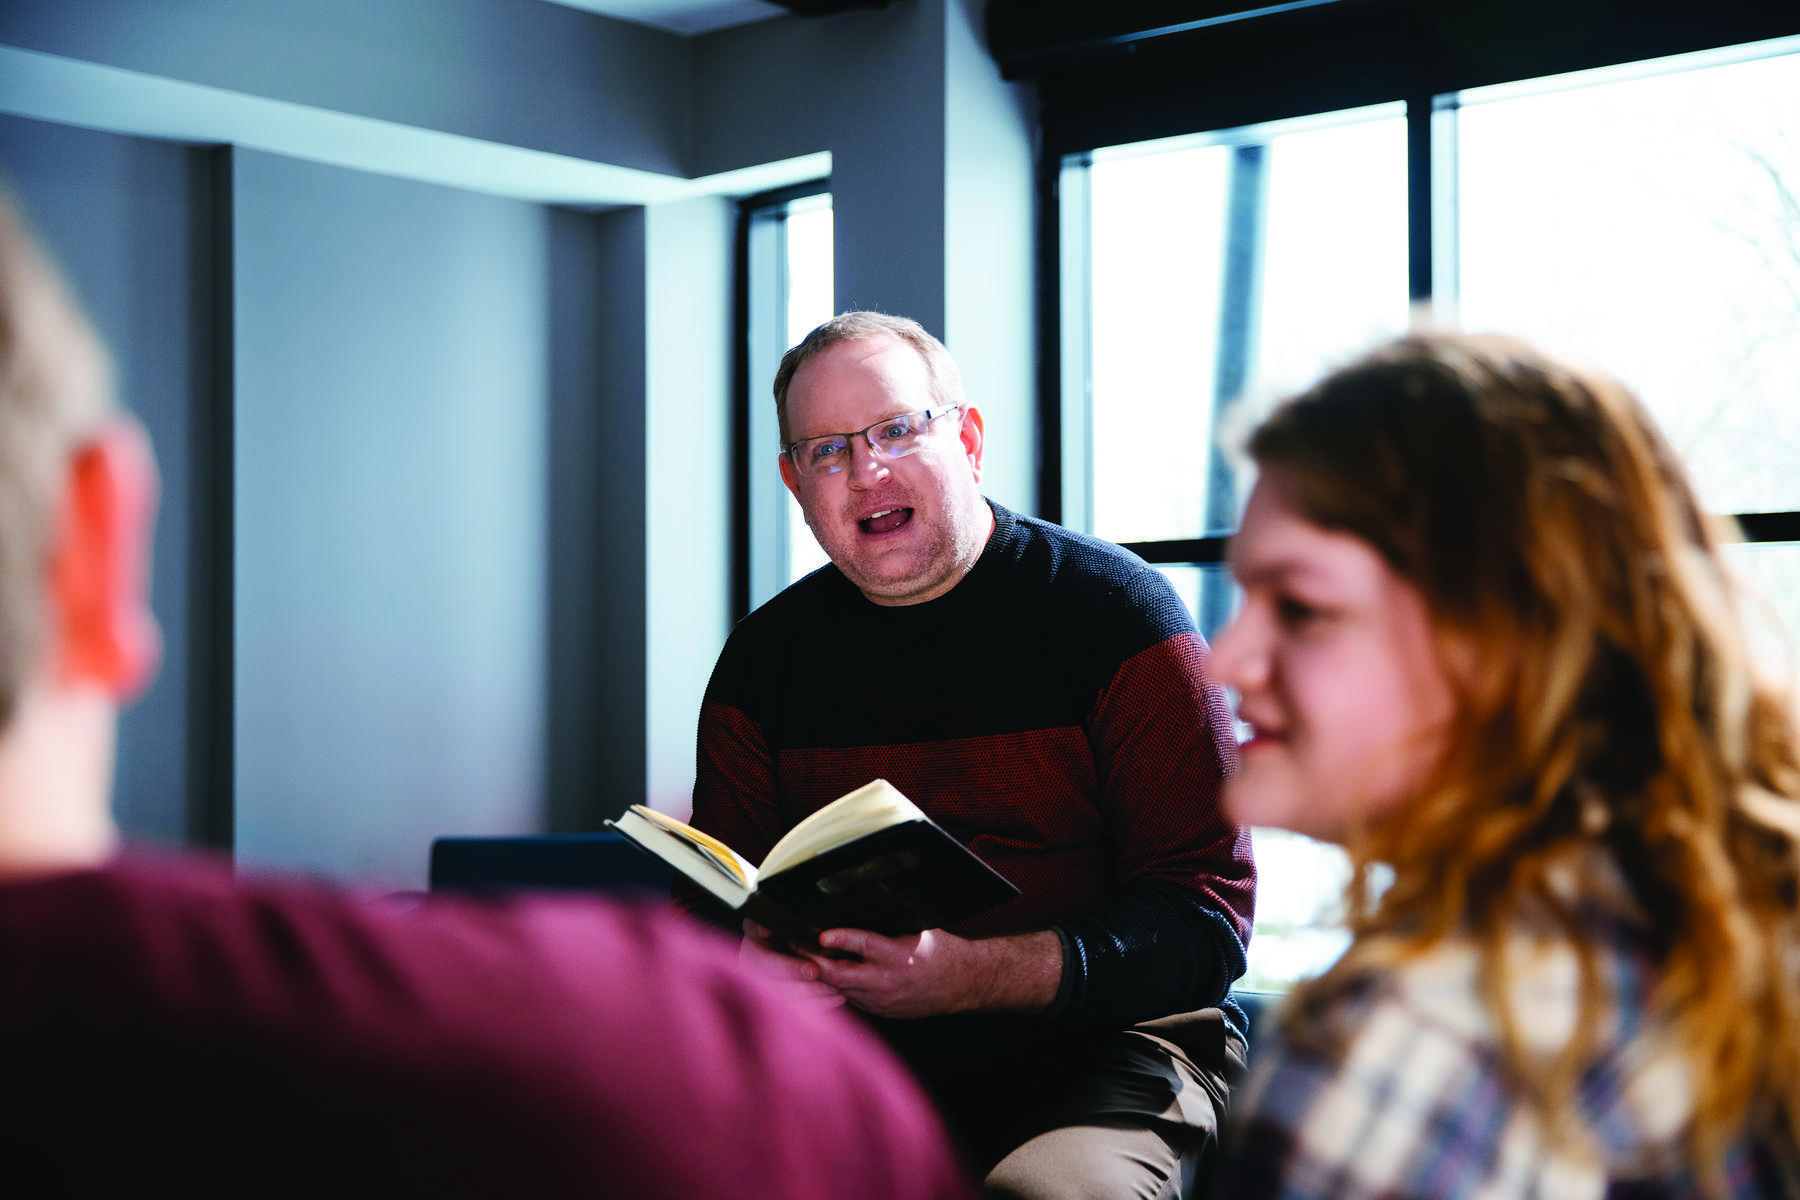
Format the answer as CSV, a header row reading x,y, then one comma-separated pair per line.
x,y
1052,362
1418,196
1240,310
1758,528
1182,552
1769,526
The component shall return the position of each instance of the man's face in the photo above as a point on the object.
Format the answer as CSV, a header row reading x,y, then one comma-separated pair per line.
x,y
903,530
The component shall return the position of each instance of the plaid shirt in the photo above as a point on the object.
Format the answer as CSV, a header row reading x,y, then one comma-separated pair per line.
x,y
1418,1105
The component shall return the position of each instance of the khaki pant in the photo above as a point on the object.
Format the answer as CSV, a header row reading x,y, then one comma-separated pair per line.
x,y
1125,1113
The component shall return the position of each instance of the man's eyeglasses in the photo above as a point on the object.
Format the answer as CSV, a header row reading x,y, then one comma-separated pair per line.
x,y
891,437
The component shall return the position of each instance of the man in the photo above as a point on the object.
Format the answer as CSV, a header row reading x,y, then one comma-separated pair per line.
x,y
165,1024
1039,694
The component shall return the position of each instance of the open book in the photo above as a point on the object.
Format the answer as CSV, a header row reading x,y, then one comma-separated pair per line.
x,y
868,860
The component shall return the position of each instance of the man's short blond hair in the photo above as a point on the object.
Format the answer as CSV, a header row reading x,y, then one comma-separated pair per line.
x,y
55,391
946,380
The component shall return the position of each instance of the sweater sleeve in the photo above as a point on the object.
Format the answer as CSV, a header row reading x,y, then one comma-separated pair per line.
x,y
1163,744
734,791
1156,951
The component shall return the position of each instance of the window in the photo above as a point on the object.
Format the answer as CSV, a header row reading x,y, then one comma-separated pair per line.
x,y
1208,269
788,271
1667,252
1643,217
1648,220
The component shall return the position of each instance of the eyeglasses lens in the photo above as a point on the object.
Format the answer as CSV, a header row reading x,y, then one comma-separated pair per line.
x,y
896,437
821,456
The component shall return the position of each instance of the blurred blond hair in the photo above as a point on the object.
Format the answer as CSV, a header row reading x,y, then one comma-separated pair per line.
x,y
55,390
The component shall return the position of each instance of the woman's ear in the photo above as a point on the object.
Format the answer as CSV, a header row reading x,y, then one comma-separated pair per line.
x,y
99,564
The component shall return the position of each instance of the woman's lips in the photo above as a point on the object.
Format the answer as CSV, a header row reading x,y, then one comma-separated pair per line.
x,y
1261,739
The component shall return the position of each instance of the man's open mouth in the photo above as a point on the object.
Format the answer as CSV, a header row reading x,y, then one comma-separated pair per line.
x,y
885,521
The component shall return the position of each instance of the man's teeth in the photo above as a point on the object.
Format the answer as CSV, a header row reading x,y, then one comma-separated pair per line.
x,y
885,521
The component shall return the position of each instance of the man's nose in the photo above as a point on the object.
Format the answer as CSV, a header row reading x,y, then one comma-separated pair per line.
x,y
868,465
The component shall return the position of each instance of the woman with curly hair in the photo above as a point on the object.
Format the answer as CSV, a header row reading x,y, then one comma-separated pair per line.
x,y
1488,644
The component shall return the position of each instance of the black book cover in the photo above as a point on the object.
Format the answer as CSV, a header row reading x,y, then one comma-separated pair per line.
x,y
895,881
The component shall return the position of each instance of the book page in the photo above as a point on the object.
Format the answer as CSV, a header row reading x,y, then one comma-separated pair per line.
x,y
709,846
873,806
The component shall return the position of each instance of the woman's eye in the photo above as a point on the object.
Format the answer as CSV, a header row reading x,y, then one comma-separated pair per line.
x,y
1294,612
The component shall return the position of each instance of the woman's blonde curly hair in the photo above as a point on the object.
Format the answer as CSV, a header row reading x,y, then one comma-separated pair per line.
x,y
1608,702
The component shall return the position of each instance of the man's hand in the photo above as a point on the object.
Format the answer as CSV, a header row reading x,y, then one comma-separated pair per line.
x,y
769,956
927,974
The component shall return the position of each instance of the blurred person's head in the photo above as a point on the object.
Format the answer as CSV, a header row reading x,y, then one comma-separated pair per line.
x,y
77,490
883,455
1340,683
1488,625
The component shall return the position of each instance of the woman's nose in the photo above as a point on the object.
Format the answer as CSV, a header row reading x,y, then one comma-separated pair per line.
x,y
1237,660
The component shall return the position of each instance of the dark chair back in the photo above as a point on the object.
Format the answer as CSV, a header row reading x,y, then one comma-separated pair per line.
x,y
559,862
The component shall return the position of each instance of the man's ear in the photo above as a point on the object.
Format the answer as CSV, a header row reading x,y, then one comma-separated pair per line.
x,y
99,564
790,476
973,438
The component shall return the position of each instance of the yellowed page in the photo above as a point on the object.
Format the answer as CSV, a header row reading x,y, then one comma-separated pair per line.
x,y
876,805
708,845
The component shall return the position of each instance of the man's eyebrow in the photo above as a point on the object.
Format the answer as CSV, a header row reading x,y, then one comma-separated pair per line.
x,y
855,432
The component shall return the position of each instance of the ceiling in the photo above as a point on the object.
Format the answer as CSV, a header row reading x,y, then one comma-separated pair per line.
x,y
685,17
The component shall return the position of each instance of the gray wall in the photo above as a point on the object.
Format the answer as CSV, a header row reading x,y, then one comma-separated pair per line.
x,y
869,87
931,183
471,567
989,212
436,572
688,452
390,525
595,730
517,72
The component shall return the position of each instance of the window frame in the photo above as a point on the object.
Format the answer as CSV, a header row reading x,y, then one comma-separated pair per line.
x,y
1279,64
759,512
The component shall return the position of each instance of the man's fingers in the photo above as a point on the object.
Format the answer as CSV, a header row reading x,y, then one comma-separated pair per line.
x,y
856,941
841,973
